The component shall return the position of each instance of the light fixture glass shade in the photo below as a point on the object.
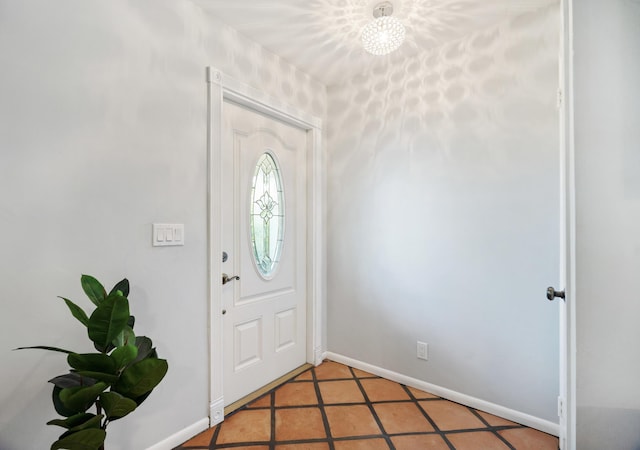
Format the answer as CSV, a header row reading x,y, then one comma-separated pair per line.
x,y
383,35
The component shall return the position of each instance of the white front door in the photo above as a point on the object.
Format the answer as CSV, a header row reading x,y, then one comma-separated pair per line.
x,y
264,239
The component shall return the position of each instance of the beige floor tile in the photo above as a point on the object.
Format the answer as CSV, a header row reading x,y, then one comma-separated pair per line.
x,y
495,420
262,402
421,395
345,391
362,374
379,390
530,439
307,446
355,420
202,440
402,418
296,394
478,440
252,447
330,370
362,444
246,426
451,416
299,424
305,376
415,442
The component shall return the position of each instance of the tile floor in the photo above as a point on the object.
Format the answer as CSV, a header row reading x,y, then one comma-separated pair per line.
x,y
336,407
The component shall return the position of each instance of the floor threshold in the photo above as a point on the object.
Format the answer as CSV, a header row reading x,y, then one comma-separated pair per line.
x,y
263,390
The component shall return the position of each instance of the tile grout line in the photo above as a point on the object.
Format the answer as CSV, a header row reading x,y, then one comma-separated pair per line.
x,y
272,408
214,438
323,413
428,417
369,404
491,428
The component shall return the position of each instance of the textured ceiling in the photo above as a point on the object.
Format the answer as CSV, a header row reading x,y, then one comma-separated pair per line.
x,y
322,37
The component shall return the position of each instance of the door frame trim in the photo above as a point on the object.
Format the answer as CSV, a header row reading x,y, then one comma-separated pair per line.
x,y
221,87
567,404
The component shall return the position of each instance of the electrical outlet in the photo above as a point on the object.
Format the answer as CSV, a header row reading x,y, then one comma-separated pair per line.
x,y
422,350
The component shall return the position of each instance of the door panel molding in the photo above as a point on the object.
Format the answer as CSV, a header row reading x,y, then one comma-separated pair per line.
x,y
250,299
221,88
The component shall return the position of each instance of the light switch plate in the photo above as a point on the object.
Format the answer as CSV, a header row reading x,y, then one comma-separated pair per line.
x,y
166,234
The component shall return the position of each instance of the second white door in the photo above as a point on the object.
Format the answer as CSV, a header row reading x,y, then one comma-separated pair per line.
x,y
264,238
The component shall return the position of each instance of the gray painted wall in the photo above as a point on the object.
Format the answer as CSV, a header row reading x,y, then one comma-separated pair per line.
x,y
607,142
443,222
102,133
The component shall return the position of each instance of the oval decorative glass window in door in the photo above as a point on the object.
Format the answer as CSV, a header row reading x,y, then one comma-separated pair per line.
x,y
267,215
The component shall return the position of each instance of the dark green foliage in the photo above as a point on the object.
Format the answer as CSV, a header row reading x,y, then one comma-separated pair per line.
x,y
115,380
89,439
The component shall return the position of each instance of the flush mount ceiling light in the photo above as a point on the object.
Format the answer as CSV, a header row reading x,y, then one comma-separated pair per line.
x,y
383,34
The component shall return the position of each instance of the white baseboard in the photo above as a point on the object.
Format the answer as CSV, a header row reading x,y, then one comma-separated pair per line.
x,y
467,400
181,436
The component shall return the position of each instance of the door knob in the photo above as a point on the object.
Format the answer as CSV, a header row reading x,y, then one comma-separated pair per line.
x,y
226,278
552,294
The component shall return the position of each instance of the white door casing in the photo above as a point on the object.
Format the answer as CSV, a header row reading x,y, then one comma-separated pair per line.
x,y
264,305
221,90
567,378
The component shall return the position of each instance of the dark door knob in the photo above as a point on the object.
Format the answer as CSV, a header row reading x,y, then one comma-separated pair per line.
x,y
552,294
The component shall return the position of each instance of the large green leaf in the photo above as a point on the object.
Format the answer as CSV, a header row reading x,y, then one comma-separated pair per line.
x,y
95,362
124,355
59,406
122,286
142,398
44,347
108,378
94,422
76,311
78,422
108,321
79,399
145,347
116,406
72,380
93,288
126,336
141,377
90,439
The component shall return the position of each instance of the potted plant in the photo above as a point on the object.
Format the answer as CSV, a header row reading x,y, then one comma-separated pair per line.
x,y
114,380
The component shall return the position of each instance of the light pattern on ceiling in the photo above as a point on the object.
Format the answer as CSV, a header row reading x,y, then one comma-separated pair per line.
x,y
323,37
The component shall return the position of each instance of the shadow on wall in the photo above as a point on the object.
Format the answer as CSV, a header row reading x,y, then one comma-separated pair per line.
x,y
443,214
475,102
236,56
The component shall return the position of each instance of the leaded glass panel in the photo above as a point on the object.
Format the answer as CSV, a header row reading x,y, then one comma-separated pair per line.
x,y
267,215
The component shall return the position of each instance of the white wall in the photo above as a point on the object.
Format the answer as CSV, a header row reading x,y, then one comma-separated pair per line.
x,y
102,132
607,143
443,215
